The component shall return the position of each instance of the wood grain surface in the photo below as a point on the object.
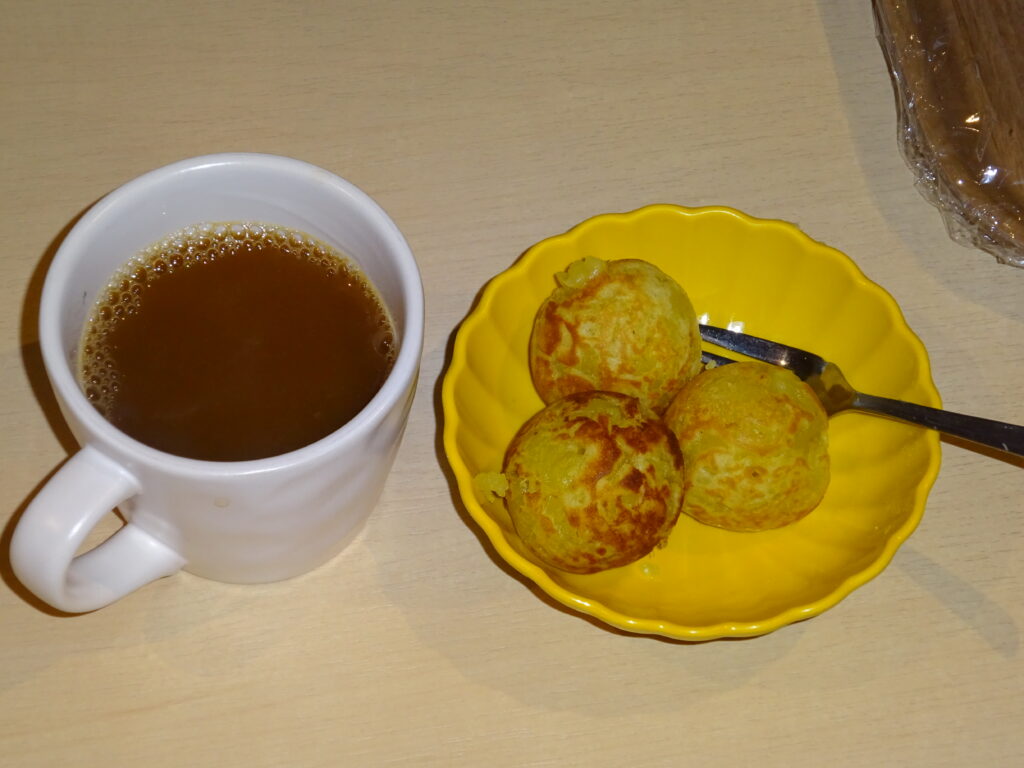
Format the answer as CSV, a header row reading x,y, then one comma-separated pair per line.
x,y
483,128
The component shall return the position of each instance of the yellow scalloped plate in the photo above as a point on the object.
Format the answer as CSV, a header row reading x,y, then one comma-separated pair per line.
x,y
772,280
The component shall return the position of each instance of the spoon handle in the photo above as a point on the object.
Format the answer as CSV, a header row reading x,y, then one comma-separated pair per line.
x,y
994,434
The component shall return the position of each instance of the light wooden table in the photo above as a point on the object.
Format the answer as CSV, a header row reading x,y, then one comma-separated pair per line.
x,y
482,128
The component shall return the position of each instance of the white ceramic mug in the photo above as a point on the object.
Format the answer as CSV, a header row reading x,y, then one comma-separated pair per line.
x,y
247,521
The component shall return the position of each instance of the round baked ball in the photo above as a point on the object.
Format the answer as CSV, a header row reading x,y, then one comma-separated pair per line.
x,y
754,439
616,326
593,482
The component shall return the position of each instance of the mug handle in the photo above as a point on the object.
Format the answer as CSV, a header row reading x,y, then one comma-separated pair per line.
x,y
58,519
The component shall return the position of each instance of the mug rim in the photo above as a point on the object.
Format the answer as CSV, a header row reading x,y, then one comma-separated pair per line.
x,y
402,376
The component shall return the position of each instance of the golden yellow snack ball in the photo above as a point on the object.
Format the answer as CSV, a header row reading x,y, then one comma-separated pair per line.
x,y
617,326
754,439
593,482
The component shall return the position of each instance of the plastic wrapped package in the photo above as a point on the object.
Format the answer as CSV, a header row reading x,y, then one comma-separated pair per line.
x,y
957,69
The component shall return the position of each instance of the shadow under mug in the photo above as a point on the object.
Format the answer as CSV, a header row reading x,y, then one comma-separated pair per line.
x,y
243,522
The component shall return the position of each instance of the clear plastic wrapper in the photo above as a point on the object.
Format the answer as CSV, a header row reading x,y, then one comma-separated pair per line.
x,y
957,69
